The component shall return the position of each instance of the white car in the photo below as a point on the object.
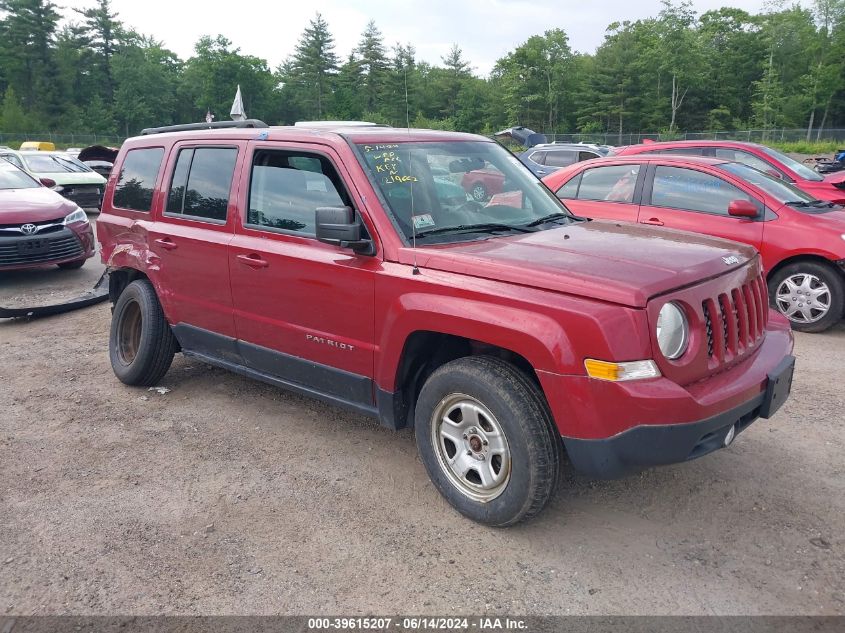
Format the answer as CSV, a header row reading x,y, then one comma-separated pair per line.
x,y
73,179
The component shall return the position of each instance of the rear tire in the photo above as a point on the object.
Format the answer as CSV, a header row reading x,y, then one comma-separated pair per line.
x,y
810,294
487,440
72,265
141,344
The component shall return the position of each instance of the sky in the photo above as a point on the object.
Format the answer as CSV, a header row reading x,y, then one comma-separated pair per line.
x,y
484,29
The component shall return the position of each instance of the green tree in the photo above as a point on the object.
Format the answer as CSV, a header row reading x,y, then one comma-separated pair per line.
x,y
103,29
313,68
211,78
12,117
373,65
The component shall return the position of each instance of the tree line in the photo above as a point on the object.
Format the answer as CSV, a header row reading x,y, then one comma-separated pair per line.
x,y
718,70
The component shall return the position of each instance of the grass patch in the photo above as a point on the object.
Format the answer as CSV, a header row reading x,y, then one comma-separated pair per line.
x,y
803,147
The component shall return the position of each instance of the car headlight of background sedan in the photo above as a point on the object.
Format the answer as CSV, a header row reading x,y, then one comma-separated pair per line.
x,y
672,331
75,216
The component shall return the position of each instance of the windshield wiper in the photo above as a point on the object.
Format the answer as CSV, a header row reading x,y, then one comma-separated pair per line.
x,y
487,227
797,203
549,218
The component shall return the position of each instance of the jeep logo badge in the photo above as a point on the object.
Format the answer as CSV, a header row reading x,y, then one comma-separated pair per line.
x,y
731,259
29,229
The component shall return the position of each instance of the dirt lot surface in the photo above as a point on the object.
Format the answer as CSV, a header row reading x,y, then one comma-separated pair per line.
x,y
224,495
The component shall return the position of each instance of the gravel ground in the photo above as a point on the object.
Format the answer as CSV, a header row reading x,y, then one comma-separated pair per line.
x,y
226,496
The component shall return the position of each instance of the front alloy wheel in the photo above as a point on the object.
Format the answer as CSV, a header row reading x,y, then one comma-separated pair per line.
x,y
803,298
811,294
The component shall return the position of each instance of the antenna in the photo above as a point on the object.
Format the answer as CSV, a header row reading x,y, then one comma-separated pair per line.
x,y
415,270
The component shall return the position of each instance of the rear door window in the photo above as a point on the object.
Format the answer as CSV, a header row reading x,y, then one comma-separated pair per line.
x,y
137,179
202,180
614,183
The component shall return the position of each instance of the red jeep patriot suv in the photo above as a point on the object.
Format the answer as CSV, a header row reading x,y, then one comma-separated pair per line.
x,y
339,263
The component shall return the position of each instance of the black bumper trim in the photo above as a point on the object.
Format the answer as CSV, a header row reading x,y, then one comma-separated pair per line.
x,y
658,445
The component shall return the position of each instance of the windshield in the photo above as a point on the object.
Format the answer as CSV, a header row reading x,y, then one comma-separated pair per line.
x,y
13,178
802,170
780,190
48,163
459,190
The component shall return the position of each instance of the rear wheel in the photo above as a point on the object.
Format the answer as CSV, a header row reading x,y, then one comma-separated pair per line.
x,y
486,438
810,294
141,344
77,263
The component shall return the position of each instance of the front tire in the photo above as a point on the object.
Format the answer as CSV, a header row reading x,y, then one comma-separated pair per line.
x,y
487,440
810,294
141,344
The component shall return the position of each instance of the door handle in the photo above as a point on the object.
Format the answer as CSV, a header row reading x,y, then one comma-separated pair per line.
x,y
652,222
166,243
253,260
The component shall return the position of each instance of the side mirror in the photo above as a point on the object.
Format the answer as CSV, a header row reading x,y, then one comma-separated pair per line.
x,y
743,209
338,226
48,182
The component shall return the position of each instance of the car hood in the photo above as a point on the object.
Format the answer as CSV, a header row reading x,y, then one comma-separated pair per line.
x,y
70,178
620,263
18,206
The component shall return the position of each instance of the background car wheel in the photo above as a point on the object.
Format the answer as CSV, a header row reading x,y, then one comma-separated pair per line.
x,y
479,192
810,294
72,265
487,440
141,344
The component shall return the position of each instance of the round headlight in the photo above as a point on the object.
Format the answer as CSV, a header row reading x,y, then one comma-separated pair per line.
x,y
672,331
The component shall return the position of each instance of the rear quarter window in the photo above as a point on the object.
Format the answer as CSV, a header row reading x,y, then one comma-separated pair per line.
x,y
137,179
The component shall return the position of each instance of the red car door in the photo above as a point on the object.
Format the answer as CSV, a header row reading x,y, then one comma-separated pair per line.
x,y
191,236
304,310
692,200
605,192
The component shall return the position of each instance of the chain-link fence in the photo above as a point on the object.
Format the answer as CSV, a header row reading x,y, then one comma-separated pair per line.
x,y
753,136
62,141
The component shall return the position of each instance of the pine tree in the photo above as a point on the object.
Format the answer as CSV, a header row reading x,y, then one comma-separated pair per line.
x,y
103,30
373,65
314,66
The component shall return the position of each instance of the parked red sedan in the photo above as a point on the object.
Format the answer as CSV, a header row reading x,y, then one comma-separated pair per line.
x,y
801,238
765,159
38,226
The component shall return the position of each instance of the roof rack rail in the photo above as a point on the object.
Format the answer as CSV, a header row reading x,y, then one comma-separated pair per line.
x,y
187,127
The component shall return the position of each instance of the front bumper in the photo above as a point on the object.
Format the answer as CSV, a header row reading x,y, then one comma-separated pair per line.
x,y
655,445
56,247
613,428
85,196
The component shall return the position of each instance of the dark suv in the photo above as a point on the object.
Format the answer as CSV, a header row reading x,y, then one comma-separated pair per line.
x,y
338,264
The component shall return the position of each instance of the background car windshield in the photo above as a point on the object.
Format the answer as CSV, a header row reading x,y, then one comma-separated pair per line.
x,y
802,170
782,191
46,164
13,178
435,186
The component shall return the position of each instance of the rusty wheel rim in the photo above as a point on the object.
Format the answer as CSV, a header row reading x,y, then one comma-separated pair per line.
x,y
129,333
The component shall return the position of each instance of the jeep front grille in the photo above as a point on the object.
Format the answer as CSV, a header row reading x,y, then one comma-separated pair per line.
x,y
735,321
